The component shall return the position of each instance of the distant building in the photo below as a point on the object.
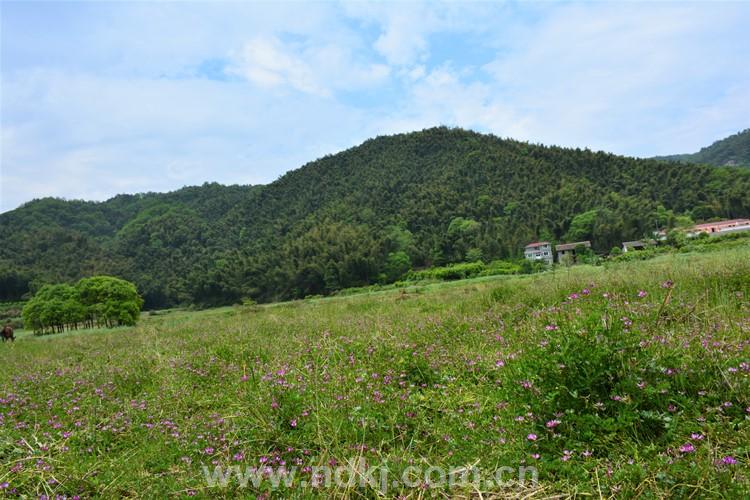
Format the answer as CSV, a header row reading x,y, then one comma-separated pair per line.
x,y
721,227
541,250
629,246
570,249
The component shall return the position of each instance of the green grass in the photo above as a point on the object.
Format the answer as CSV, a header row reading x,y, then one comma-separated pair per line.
x,y
450,374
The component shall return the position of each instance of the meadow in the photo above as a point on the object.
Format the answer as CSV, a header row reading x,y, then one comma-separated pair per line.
x,y
630,379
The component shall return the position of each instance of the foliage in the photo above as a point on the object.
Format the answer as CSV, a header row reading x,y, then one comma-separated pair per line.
x,y
100,300
441,196
733,150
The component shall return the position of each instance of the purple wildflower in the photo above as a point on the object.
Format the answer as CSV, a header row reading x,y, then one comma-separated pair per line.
x,y
687,448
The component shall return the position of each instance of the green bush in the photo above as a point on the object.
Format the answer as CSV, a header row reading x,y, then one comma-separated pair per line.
x,y
100,301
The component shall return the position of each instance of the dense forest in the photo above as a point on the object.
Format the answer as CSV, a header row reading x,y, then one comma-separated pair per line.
x,y
730,151
365,215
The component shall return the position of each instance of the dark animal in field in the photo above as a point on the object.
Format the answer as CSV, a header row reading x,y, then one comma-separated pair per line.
x,y
7,333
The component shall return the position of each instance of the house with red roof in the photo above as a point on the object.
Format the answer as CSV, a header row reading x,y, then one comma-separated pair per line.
x,y
721,227
539,250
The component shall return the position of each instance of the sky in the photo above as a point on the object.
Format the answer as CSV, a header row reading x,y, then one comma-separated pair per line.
x,y
101,98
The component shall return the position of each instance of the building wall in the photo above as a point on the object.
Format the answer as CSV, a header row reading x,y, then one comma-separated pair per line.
x,y
540,253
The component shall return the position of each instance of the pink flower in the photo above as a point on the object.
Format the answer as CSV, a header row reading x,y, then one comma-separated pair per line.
x,y
293,423
551,327
729,460
553,423
687,448
696,436
531,437
642,293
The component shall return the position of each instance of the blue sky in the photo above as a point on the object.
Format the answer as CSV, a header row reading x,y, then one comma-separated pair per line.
x,y
100,98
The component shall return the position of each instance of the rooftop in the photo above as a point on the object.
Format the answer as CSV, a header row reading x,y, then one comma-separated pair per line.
x,y
731,222
537,244
573,246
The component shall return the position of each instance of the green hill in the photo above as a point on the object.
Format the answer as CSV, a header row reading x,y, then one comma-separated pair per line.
x,y
733,151
419,199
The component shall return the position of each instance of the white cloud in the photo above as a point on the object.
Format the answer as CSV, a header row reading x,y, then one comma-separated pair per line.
x,y
307,67
604,75
83,136
101,98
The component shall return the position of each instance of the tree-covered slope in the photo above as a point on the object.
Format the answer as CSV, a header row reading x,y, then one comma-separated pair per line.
x,y
731,151
431,197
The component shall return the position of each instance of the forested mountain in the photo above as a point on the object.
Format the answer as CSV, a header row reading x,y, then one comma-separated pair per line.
x,y
731,151
361,216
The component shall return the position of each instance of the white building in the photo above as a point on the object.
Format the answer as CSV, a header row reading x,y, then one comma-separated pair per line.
x,y
541,250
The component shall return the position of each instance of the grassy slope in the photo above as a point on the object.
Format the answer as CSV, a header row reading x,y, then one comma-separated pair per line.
x,y
436,376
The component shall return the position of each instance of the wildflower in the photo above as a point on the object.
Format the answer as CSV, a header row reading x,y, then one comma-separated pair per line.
x,y
642,293
728,460
553,423
535,456
551,327
245,378
531,437
208,450
667,284
4,485
238,457
687,448
696,436
293,423
567,455
585,291
499,363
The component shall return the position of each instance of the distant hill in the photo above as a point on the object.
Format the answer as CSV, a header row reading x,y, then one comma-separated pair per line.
x,y
361,216
733,151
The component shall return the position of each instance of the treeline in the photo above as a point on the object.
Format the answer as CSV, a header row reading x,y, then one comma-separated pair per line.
x,y
371,214
100,301
732,150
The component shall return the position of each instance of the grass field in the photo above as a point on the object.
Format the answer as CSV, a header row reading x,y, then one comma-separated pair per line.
x,y
624,380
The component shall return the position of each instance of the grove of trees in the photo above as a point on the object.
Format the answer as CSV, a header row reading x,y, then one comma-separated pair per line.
x,y
100,301
366,215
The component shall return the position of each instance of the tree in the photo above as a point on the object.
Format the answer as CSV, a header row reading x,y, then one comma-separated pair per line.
x,y
53,308
110,301
397,265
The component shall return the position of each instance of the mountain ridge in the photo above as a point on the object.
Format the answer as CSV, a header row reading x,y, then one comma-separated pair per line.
x,y
732,151
423,198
